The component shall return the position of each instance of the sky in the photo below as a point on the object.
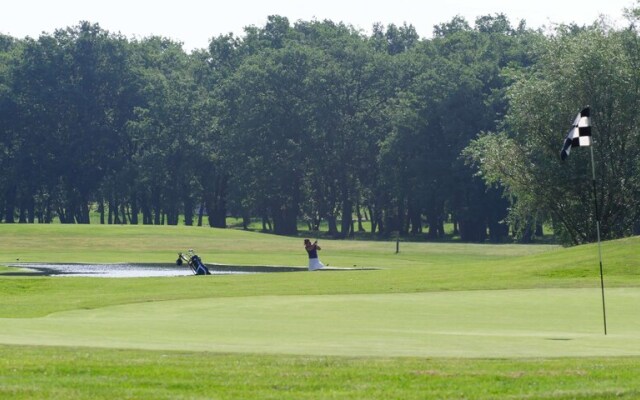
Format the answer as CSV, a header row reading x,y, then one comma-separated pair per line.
x,y
194,22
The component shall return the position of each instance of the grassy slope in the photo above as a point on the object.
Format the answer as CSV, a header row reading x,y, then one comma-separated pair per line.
x,y
419,268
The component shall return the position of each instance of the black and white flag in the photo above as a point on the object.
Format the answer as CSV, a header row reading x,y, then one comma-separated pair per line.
x,y
579,135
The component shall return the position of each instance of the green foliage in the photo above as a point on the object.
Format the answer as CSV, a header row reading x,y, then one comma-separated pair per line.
x,y
315,121
596,67
457,93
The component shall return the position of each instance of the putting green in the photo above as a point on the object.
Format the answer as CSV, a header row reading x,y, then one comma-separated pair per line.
x,y
498,323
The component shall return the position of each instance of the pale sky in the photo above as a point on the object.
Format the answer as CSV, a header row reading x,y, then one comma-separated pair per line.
x,y
194,22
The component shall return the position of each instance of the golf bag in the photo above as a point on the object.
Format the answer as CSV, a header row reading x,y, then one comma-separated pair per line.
x,y
194,262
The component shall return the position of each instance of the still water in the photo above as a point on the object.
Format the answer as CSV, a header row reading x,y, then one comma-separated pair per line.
x,y
137,270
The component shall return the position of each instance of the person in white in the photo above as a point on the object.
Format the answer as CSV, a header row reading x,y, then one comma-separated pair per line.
x,y
312,250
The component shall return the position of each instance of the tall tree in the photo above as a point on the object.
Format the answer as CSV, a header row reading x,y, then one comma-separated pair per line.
x,y
267,139
70,99
594,66
9,123
457,92
167,153
351,85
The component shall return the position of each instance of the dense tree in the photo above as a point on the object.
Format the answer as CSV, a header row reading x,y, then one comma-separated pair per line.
x,y
457,93
166,152
70,100
318,121
267,138
10,121
597,67
351,86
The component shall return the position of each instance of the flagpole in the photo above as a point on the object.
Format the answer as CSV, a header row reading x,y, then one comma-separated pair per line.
x,y
595,200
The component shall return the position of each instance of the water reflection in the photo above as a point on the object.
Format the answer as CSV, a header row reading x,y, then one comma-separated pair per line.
x,y
136,270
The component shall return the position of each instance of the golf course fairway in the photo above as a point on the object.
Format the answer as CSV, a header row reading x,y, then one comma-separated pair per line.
x,y
433,321
505,323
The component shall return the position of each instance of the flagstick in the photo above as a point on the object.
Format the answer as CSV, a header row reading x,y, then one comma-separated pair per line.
x,y
595,200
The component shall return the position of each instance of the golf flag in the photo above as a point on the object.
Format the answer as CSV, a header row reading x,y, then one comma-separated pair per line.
x,y
579,135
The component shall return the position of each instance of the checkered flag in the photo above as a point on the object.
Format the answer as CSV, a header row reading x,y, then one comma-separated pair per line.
x,y
579,135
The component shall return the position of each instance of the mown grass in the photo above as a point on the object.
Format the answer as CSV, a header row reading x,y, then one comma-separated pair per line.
x,y
83,373
66,373
419,267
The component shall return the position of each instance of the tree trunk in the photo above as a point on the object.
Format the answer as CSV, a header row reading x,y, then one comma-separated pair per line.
x,y
498,231
347,218
83,214
285,222
147,218
22,214
266,224
216,212
123,212
101,210
48,212
9,207
539,230
415,220
188,210
374,221
113,211
201,212
61,215
246,220
359,216
473,230
135,210
216,203
30,209
157,211
436,225
332,224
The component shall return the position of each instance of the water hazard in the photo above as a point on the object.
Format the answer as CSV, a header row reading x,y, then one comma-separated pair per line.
x,y
137,270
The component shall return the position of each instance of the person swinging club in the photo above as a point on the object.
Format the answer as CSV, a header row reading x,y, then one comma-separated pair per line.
x,y
312,250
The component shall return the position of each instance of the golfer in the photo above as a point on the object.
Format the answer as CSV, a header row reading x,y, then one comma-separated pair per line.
x,y
312,250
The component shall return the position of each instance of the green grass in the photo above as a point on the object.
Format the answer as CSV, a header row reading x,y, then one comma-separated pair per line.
x,y
439,324
440,320
66,373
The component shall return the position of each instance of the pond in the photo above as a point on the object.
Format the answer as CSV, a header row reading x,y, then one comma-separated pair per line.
x,y
125,270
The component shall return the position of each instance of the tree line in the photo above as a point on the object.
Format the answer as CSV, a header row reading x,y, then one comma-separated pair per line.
x,y
316,121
